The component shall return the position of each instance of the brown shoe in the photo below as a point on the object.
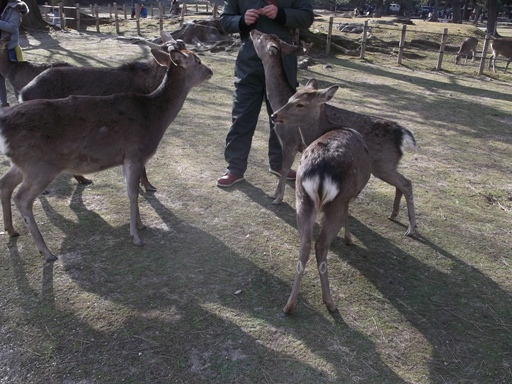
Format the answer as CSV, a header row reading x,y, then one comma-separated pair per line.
x,y
228,179
291,175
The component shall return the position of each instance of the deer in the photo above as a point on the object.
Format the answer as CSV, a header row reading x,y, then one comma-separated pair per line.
x,y
47,137
333,170
468,46
384,138
142,77
500,47
20,73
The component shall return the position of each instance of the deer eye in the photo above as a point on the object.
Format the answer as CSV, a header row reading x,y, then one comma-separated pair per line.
x,y
300,105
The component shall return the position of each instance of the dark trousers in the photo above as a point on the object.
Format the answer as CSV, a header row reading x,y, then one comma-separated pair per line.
x,y
247,101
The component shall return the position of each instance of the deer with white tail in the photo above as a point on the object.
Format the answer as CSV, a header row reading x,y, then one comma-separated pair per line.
x,y
333,170
87,134
385,138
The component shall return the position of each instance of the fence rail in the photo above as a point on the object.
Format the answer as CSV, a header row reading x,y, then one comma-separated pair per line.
x,y
56,15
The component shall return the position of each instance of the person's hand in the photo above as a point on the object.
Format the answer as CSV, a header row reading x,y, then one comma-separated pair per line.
x,y
251,15
270,11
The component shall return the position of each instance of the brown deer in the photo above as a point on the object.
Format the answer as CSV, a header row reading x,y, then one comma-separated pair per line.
x,y
468,46
333,170
85,134
20,73
500,47
270,50
384,138
141,77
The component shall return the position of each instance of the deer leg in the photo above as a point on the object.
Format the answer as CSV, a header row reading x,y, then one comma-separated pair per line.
x,y
305,220
508,62
8,183
32,187
133,173
332,222
403,186
82,180
288,158
145,182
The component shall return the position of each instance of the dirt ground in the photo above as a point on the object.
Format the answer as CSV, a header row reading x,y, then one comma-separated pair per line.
x,y
201,301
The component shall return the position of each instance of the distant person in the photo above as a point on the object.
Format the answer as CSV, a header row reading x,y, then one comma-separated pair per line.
x,y
10,19
143,11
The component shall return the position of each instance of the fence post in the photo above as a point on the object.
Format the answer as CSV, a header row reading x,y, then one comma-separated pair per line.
x,y
484,53
124,11
329,35
441,49
137,17
215,11
110,11
61,15
45,11
401,45
77,16
116,18
161,16
97,14
365,36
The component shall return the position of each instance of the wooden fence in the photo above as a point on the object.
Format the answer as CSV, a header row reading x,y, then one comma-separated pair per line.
x,y
56,14
401,45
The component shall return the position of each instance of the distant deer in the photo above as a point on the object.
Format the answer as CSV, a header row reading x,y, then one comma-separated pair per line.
x,y
144,77
500,47
85,134
333,170
384,138
468,46
20,73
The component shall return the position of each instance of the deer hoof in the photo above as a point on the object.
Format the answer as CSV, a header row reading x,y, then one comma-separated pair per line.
x,y
82,180
13,233
137,241
277,201
149,188
52,258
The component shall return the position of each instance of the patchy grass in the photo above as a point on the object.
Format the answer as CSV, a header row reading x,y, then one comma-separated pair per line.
x,y
201,302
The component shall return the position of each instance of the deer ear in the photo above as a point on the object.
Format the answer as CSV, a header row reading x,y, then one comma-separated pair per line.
x,y
286,48
327,94
272,49
312,84
178,57
161,57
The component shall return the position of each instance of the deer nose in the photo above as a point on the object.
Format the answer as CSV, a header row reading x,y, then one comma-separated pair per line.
x,y
275,118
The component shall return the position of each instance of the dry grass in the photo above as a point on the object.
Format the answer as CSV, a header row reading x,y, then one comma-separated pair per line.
x,y
201,302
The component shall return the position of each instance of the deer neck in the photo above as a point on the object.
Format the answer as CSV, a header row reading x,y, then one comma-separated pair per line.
x,y
277,87
314,126
170,96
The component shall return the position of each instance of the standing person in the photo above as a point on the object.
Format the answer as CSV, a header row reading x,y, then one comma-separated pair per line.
x,y
278,17
10,19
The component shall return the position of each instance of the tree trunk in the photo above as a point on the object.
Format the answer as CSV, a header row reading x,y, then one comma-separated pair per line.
x,y
492,17
34,19
456,12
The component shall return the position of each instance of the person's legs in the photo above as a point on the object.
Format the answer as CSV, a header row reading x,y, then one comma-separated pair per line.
x,y
247,99
3,92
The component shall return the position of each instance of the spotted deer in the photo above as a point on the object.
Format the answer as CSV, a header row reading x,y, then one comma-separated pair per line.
x,y
385,138
500,47
44,138
333,170
468,46
142,77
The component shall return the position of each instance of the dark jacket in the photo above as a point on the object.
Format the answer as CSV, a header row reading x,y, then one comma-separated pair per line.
x,y
292,14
